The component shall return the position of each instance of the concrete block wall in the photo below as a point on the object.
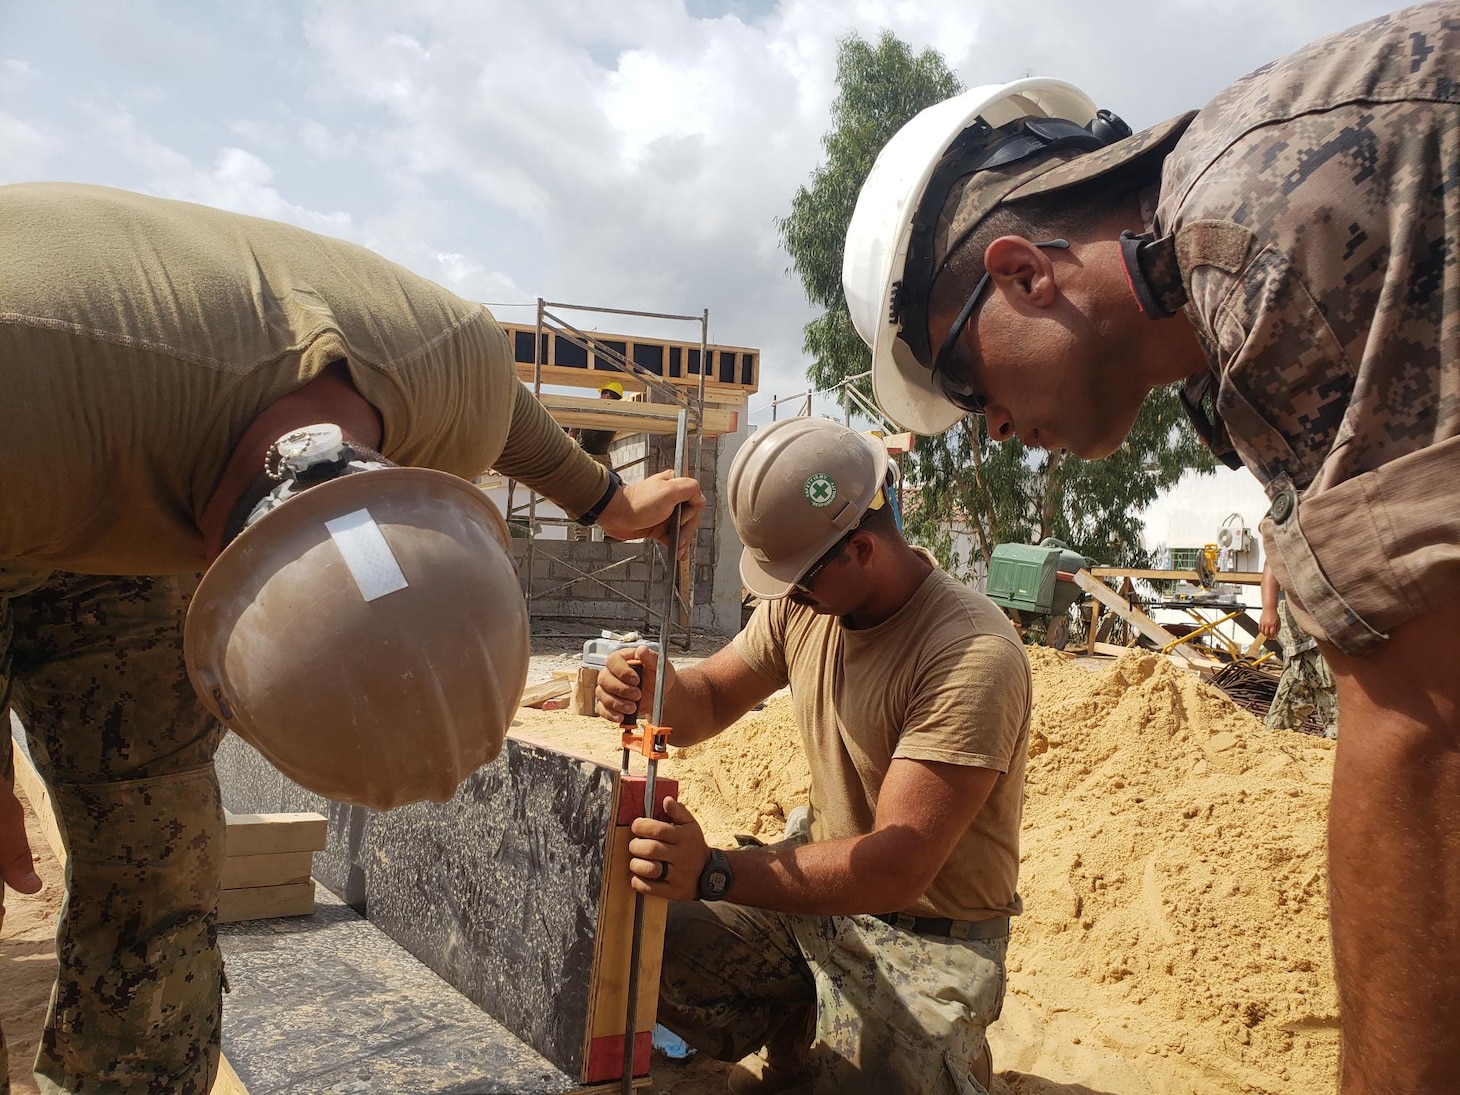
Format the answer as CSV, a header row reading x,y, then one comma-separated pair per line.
x,y
563,598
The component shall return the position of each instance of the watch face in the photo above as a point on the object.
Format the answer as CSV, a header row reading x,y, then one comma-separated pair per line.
x,y
715,883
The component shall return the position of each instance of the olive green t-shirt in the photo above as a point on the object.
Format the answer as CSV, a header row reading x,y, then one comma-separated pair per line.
x,y
945,679
140,337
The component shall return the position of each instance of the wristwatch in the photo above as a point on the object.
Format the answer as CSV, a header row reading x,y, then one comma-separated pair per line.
x,y
614,483
716,878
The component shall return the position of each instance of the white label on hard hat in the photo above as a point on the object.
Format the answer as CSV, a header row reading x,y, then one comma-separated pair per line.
x,y
820,490
363,547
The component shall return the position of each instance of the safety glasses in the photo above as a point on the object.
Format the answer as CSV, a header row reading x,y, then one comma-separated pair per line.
x,y
805,582
955,381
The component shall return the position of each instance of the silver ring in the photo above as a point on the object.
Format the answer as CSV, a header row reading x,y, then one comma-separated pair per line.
x,y
663,870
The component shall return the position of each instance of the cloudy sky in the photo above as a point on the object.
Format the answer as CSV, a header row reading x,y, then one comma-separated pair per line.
x,y
632,153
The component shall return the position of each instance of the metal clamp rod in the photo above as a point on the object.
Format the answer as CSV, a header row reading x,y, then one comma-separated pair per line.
x,y
631,1020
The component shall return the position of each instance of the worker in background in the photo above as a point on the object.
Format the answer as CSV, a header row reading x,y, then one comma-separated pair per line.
x,y
596,444
866,954
183,385
1287,255
1306,686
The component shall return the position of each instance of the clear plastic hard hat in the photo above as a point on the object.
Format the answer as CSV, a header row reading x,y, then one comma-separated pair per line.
x,y
796,487
881,226
368,636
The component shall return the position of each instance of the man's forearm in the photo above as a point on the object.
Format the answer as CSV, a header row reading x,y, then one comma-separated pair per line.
x,y
865,874
541,455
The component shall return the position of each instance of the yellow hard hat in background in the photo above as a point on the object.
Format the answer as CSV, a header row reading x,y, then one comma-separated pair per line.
x,y
612,386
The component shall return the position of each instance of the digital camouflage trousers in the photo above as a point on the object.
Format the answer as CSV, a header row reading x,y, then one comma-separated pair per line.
x,y
94,668
895,1013
1306,686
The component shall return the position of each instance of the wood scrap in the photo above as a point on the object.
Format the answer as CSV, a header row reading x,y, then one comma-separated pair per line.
x,y
538,694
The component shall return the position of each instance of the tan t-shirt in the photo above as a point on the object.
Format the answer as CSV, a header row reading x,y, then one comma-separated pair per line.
x,y
945,679
139,338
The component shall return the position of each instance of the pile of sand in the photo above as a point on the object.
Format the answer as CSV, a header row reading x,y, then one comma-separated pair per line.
x,y
1173,877
743,781
1175,933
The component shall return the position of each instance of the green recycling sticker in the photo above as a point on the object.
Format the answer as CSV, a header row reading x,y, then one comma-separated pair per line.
x,y
820,490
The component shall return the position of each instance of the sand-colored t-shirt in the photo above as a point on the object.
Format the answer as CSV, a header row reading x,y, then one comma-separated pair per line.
x,y
945,679
140,337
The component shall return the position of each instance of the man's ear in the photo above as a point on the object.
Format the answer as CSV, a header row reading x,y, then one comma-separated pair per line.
x,y
863,546
1021,271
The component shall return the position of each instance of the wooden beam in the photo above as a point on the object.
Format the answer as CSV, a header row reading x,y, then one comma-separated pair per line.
x,y
243,871
266,834
1224,577
1147,627
264,902
608,994
584,412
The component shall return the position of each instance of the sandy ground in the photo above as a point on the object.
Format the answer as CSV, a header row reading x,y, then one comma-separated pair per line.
x,y
1175,936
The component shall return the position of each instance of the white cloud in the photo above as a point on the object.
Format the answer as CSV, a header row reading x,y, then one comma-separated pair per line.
x,y
627,154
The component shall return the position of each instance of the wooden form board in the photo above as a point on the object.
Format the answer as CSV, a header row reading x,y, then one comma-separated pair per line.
x,y
266,834
266,902
29,783
240,871
608,994
266,867
589,413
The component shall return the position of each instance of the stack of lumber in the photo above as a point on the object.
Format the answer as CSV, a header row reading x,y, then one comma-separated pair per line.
x,y
266,865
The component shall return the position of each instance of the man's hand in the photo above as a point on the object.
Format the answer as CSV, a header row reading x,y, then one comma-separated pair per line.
x,y
643,509
621,691
1268,622
668,855
17,865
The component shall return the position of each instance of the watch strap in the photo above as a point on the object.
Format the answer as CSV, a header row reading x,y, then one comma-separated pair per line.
x,y
716,877
593,514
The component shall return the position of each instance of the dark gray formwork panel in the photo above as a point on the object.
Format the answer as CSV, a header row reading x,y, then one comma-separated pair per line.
x,y
498,890
327,1003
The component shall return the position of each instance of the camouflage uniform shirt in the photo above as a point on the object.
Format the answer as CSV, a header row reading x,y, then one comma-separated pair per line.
x,y
1313,206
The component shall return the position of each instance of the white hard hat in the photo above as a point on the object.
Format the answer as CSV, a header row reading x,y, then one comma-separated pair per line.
x,y
881,228
368,636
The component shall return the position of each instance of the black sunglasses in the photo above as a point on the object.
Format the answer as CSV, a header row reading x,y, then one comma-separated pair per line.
x,y
806,580
958,385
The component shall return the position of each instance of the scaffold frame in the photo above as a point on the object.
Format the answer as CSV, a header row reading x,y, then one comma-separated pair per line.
x,y
692,399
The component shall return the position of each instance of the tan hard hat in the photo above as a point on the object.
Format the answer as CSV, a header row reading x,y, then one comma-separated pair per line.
x,y
796,488
368,636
